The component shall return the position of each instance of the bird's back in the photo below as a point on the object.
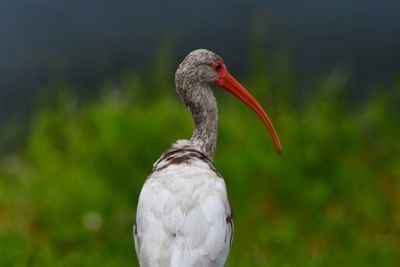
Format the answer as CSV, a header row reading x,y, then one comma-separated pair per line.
x,y
183,215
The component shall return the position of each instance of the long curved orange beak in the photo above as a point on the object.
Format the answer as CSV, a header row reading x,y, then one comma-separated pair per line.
x,y
228,82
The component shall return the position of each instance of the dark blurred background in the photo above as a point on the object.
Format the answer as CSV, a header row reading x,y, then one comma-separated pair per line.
x,y
87,105
85,42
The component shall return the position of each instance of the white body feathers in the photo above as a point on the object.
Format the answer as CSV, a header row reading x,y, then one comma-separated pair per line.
x,y
183,217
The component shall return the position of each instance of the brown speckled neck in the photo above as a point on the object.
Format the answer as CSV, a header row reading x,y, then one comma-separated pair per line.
x,y
193,79
205,119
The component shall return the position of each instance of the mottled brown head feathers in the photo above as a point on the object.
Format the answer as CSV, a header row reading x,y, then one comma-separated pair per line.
x,y
196,69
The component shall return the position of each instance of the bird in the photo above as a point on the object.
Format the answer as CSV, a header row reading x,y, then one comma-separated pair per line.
x,y
183,216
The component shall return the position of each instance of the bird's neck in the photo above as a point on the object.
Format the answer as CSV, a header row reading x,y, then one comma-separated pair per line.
x,y
205,118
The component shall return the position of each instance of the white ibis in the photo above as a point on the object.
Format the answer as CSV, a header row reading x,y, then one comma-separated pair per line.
x,y
183,216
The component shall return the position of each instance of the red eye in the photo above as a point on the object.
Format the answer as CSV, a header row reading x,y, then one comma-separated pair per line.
x,y
217,66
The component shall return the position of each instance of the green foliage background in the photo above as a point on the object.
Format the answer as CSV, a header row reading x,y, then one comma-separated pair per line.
x,y
68,195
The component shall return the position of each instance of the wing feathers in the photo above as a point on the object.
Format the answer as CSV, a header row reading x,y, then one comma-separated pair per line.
x,y
183,216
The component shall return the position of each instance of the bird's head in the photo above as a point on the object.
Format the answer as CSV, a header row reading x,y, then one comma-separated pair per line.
x,y
201,69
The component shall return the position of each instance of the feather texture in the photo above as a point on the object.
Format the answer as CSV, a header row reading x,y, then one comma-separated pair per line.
x,y
183,213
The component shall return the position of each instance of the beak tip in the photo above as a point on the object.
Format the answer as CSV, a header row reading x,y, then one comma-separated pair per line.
x,y
278,149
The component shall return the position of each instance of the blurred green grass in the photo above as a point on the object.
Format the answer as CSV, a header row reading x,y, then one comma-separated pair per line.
x,y
68,196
